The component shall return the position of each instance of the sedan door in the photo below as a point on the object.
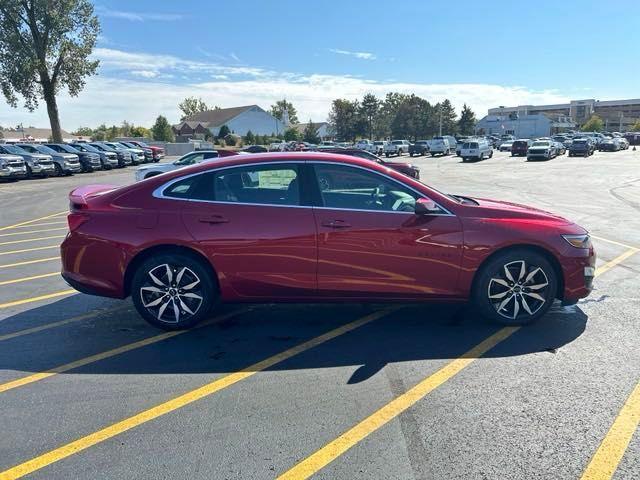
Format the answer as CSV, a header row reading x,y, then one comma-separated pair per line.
x,y
371,244
255,226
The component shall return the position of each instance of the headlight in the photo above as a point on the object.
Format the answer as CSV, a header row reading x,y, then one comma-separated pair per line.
x,y
578,241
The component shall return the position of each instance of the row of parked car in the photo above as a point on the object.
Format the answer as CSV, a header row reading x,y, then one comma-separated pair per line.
x,y
27,160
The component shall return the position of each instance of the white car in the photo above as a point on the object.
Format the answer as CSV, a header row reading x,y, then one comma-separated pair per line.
x,y
191,158
440,145
396,147
366,145
477,149
277,147
379,146
506,146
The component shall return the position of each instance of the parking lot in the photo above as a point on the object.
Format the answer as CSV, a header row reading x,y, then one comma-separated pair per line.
x,y
90,390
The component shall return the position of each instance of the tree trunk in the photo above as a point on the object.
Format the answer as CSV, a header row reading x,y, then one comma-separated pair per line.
x,y
52,109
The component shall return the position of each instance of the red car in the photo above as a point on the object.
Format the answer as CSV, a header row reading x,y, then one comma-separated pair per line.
x,y
157,152
263,228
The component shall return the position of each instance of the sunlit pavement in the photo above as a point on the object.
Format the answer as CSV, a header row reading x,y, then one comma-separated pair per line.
x,y
89,390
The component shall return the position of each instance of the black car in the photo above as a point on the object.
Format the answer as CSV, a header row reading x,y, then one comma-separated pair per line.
x,y
255,149
420,147
581,147
88,161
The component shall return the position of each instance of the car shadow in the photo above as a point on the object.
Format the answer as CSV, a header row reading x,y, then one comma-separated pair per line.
x,y
407,333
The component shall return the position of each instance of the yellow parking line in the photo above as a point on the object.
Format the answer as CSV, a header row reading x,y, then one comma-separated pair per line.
x,y
13,242
31,225
29,262
29,250
26,279
619,259
176,403
20,382
612,241
59,323
605,461
327,454
391,410
32,231
15,303
16,225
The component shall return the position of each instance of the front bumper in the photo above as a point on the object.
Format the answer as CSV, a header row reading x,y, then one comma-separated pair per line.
x,y
72,167
578,268
10,171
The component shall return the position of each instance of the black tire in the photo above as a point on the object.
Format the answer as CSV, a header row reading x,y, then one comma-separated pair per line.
x,y
59,171
492,280
29,172
491,154
386,154
157,295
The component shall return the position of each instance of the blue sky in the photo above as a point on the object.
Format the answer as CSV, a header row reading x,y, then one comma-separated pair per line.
x,y
153,53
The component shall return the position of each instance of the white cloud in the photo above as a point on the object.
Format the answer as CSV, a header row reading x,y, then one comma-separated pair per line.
x,y
145,73
138,17
361,55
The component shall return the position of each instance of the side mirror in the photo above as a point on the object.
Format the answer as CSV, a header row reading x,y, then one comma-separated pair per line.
x,y
426,206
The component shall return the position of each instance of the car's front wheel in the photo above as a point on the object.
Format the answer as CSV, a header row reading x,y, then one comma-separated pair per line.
x,y
173,291
516,287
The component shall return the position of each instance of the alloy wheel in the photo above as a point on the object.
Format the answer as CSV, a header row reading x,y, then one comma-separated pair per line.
x,y
172,294
518,290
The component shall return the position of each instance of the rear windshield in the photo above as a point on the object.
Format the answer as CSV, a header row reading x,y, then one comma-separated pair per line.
x,y
397,142
540,144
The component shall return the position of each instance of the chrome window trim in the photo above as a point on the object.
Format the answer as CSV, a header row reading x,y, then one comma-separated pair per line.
x,y
158,192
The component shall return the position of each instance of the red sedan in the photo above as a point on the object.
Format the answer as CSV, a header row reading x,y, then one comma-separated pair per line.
x,y
265,228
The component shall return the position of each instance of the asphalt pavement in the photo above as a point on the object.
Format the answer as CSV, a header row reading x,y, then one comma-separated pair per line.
x,y
89,390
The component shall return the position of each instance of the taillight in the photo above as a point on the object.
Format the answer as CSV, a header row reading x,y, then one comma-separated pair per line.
x,y
76,219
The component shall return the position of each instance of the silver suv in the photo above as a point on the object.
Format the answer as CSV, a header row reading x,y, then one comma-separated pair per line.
x,y
36,163
64,163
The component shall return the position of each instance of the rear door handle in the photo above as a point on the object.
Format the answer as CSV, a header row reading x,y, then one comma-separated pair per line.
x,y
336,224
213,219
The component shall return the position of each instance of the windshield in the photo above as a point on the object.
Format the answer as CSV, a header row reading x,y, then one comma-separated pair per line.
x,y
397,142
85,147
43,149
102,148
14,149
67,148
540,144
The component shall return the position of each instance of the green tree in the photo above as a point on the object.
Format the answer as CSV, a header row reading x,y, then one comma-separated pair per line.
x,y
633,128
446,115
310,134
467,122
343,119
100,133
140,132
112,132
594,124
161,130
83,132
224,131
192,105
369,110
291,134
45,46
250,138
280,106
230,139
125,129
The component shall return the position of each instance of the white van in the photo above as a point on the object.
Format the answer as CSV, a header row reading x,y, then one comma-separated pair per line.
x,y
440,145
478,149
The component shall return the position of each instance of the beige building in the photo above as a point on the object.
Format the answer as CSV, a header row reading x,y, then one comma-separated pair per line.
x,y
618,115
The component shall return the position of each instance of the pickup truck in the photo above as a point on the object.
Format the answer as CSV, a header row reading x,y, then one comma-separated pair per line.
x,y
420,147
366,145
396,147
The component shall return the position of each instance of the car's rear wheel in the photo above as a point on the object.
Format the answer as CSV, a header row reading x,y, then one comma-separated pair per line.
x,y
515,288
173,291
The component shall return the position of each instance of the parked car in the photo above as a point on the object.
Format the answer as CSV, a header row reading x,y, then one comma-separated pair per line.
x,y
519,147
542,150
108,160
88,161
582,147
12,167
407,168
460,141
379,144
560,148
506,146
264,229
277,147
37,164
609,145
624,143
366,145
440,145
137,154
478,149
420,147
63,163
396,147
157,152
255,149
191,158
124,157
148,153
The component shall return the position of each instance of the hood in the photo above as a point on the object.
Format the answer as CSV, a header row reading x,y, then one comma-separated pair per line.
x,y
162,167
508,210
11,158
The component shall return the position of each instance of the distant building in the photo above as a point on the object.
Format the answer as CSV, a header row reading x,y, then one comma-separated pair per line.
x,y
523,126
323,129
239,120
618,115
31,134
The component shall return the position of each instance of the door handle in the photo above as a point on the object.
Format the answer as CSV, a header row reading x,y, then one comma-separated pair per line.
x,y
213,219
336,224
